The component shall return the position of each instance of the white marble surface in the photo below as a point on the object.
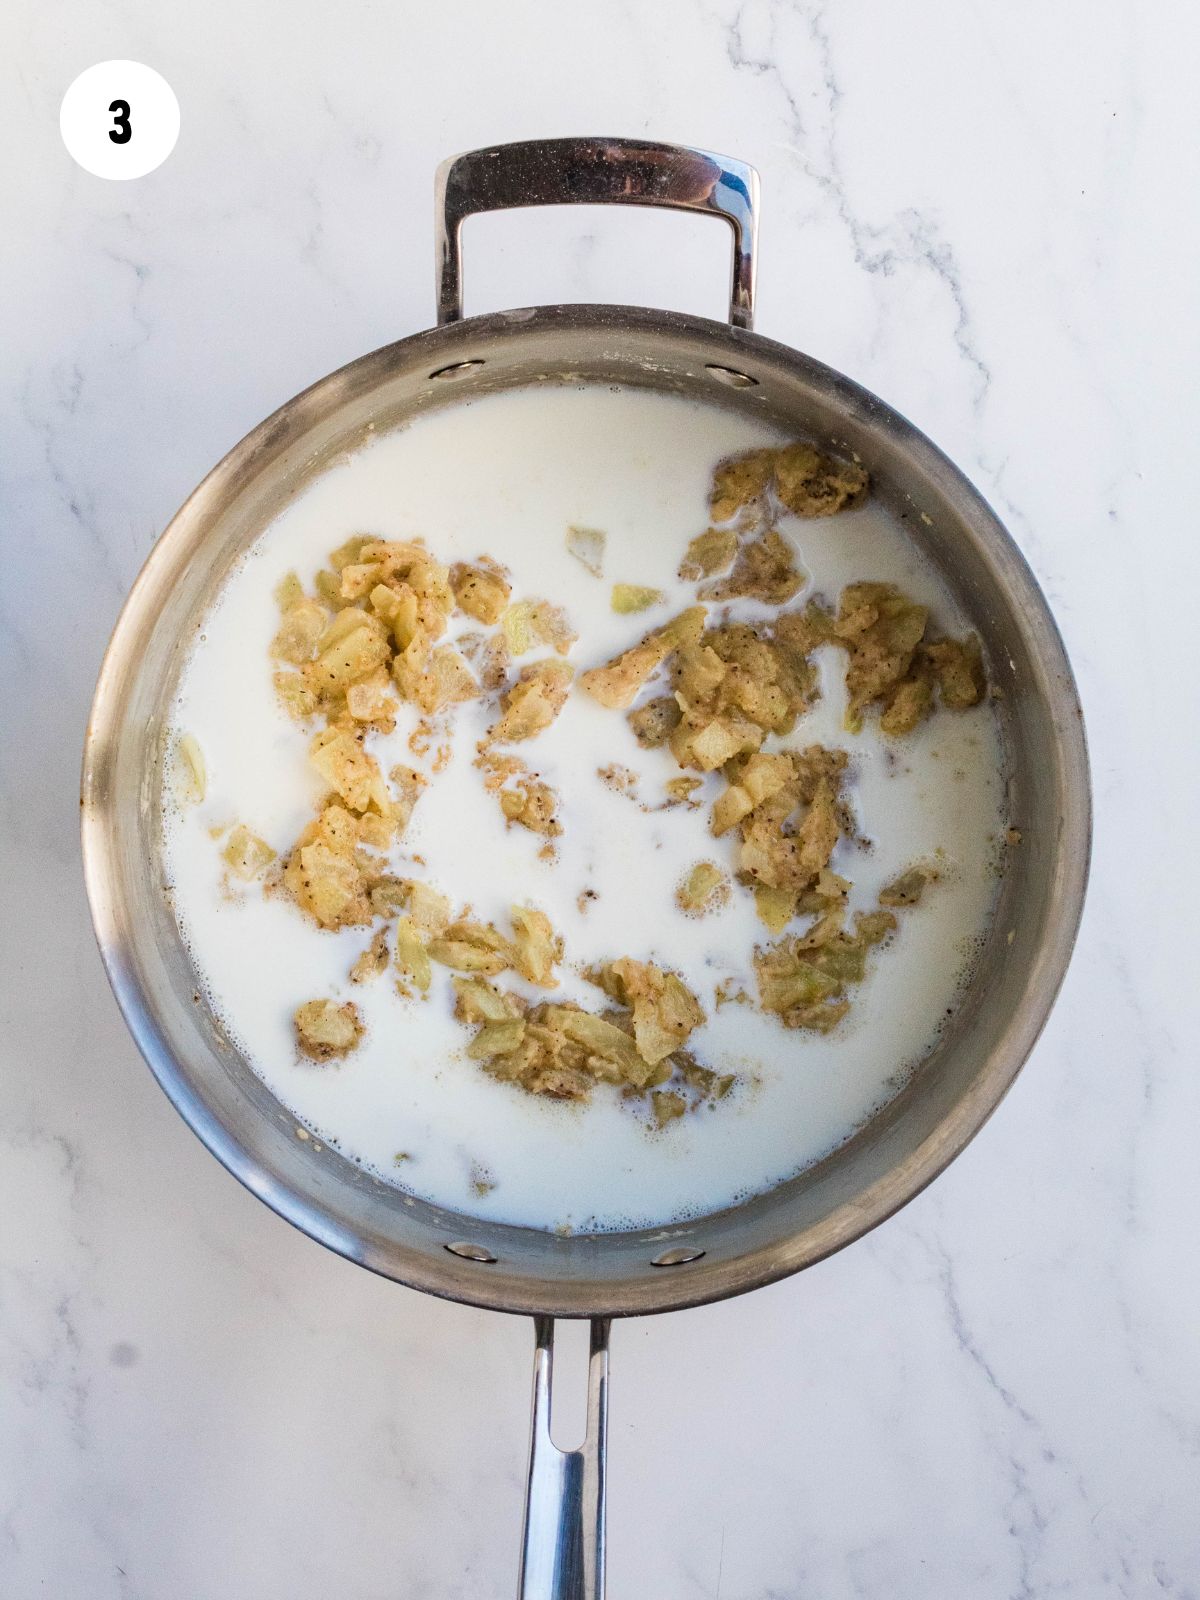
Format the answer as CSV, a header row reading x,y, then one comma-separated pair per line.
x,y
986,214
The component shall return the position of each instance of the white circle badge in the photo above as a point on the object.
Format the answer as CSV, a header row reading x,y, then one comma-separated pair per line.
x,y
119,119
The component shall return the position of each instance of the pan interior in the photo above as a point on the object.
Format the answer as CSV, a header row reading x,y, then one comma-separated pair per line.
x,y
494,1264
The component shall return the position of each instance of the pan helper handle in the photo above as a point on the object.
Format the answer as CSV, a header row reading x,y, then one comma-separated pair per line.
x,y
562,1546
557,172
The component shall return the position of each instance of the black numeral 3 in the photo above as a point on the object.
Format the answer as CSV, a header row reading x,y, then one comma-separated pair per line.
x,y
121,132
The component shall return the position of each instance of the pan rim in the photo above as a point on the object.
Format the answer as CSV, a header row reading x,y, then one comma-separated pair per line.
x,y
528,1295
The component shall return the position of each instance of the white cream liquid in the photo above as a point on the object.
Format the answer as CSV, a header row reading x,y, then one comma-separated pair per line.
x,y
505,477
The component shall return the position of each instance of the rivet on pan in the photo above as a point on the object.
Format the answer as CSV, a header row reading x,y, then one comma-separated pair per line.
x,y
731,376
676,1257
457,369
469,1251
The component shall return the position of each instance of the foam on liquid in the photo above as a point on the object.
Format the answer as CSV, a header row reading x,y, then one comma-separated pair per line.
x,y
505,476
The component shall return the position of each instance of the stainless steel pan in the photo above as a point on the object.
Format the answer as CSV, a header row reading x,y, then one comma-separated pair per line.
x,y
976,1058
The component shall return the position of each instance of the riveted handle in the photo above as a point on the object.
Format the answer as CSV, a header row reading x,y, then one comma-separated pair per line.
x,y
556,172
562,1546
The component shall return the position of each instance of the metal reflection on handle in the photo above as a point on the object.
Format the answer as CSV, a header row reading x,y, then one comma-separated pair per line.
x,y
555,172
562,1547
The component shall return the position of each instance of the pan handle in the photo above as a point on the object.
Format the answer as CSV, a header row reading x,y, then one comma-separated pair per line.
x,y
556,172
562,1546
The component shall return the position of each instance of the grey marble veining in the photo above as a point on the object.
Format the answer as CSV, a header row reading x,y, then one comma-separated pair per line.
x,y
986,214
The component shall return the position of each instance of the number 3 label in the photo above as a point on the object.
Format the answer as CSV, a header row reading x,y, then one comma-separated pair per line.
x,y
120,132
119,119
